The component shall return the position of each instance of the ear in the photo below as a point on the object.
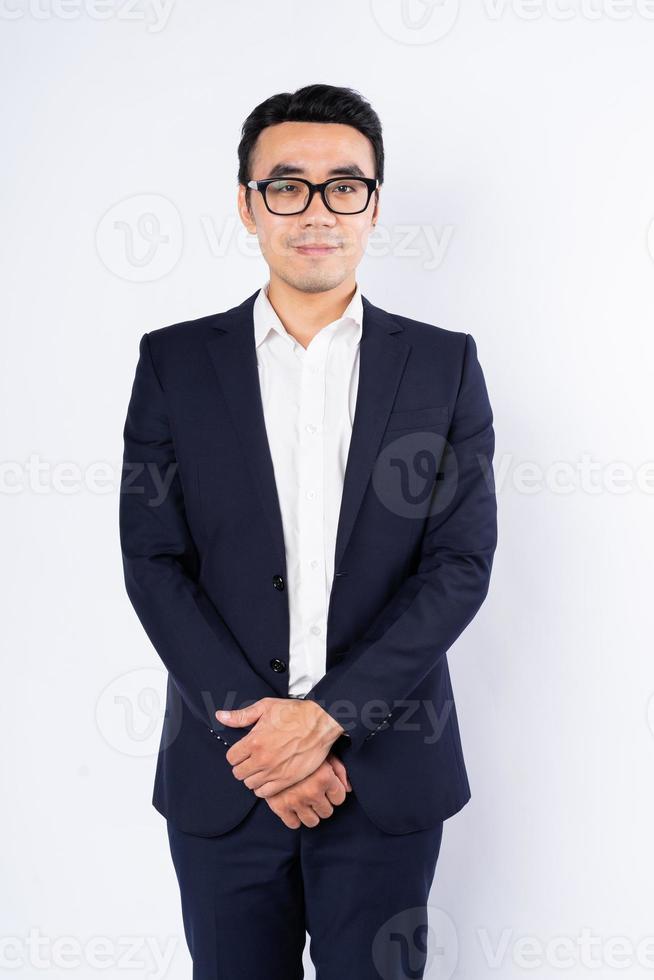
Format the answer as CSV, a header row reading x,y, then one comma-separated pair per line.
x,y
246,215
375,211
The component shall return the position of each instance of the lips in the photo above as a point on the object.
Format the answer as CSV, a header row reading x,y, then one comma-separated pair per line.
x,y
316,249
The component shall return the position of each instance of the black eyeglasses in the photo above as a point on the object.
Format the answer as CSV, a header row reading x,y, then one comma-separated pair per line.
x,y
293,195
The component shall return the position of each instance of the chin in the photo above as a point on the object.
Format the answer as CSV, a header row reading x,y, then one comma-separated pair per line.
x,y
313,281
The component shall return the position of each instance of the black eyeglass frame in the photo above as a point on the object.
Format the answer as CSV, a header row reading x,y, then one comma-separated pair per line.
x,y
372,184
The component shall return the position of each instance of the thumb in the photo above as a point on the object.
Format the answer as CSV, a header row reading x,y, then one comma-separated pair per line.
x,y
238,717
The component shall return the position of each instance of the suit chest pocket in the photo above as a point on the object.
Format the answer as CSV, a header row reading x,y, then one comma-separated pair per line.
x,y
415,418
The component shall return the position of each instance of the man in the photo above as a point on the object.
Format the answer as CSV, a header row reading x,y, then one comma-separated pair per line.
x,y
308,523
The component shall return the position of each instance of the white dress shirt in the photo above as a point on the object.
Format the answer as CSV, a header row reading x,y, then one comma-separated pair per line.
x,y
309,399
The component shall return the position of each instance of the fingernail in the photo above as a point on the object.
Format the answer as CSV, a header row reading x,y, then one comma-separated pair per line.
x,y
223,713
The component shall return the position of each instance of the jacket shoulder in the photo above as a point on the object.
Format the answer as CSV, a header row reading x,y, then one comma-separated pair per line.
x,y
178,350
186,330
420,333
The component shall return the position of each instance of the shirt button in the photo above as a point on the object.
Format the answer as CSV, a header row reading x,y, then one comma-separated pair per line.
x,y
311,428
315,630
314,563
311,494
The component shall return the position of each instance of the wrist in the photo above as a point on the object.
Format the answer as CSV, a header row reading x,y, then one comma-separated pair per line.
x,y
329,729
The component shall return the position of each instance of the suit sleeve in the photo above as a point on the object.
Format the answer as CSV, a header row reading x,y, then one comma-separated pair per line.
x,y
160,562
433,606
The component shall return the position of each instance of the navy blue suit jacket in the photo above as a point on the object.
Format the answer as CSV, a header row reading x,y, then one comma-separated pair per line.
x,y
204,560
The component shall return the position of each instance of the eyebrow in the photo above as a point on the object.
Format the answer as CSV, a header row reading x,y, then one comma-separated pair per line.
x,y
286,169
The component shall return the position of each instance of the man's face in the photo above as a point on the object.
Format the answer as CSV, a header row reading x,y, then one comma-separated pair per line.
x,y
317,152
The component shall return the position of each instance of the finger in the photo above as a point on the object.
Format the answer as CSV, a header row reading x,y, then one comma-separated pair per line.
x,y
336,792
340,770
272,787
307,815
249,773
346,778
255,765
238,717
282,809
255,778
289,817
323,807
239,751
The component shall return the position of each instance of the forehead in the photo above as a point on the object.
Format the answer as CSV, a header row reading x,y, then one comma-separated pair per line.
x,y
312,149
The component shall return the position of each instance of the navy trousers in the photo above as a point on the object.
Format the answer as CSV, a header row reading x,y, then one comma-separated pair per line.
x,y
249,897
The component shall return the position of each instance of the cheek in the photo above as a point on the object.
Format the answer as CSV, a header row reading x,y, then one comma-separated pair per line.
x,y
273,239
357,240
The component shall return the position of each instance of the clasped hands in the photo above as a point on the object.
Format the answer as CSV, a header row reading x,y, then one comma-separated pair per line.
x,y
286,758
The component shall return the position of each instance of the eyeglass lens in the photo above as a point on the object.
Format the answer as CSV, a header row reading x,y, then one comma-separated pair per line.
x,y
345,195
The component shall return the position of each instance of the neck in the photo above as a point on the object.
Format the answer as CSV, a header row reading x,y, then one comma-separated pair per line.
x,y
303,314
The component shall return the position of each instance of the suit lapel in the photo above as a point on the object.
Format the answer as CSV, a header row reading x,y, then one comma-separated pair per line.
x,y
382,356
233,352
381,361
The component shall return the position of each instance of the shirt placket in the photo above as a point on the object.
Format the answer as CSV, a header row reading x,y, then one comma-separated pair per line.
x,y
311,500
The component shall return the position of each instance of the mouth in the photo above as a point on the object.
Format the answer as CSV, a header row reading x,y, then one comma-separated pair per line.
x,y
316,249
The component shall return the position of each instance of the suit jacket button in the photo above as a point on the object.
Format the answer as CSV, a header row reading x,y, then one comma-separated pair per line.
x,y
278,665
278,582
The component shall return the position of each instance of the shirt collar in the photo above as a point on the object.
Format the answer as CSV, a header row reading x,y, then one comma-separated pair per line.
x,y
266,319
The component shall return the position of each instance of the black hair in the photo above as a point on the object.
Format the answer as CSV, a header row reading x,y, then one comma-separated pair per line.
x,y
312,103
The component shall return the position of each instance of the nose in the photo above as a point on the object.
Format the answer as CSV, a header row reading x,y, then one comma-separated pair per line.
x,y
317,212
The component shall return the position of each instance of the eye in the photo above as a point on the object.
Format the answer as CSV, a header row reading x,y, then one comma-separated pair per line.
x,y
284,187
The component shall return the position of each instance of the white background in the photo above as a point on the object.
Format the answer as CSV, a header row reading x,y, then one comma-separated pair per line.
x,y
517,206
